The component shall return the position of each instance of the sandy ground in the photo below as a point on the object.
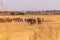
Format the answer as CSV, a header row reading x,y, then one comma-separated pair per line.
x,y
24,31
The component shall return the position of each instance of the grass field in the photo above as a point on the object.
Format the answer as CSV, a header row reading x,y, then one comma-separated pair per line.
x,y
49,29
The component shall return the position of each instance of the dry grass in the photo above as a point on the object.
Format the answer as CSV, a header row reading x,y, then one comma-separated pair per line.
x,y
25,31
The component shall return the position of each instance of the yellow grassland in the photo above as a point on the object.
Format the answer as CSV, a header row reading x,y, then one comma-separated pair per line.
x,y
24,31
